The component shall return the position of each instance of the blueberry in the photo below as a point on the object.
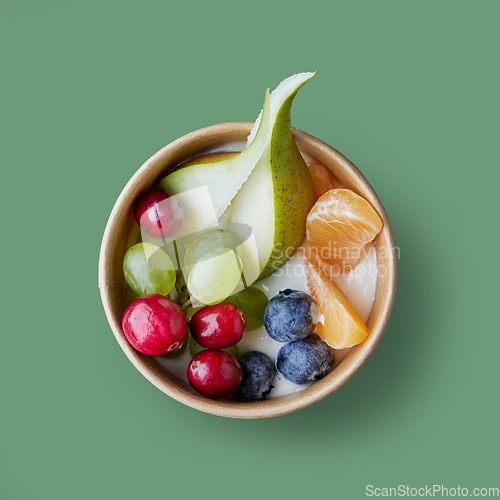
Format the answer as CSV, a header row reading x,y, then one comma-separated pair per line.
x,y
288,316
305,360
258,375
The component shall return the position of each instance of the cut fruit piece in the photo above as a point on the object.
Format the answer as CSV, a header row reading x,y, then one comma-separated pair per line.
x,y
278,194
323,179
266,187
342,326
340,224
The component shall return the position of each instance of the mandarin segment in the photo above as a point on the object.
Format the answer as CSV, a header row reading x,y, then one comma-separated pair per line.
x,y
339,225
342,325
323,179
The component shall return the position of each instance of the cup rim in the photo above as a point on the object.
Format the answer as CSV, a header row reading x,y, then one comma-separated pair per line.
x,y
140,181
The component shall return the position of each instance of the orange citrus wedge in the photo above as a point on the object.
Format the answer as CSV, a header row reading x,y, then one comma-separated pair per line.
x,y
342,326
339,225
323,179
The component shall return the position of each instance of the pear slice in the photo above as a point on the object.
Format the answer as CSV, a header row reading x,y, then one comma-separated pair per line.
x,y
224,177
267,186
279,193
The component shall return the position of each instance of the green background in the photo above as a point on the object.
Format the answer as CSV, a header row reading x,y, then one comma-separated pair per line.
x,y
90,90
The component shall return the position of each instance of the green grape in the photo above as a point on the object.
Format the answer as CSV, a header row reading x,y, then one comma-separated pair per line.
x,y
148,269
214,276
253,303
209,240
195,348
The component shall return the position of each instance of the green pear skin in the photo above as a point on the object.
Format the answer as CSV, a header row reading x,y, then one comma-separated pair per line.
x,y
293,191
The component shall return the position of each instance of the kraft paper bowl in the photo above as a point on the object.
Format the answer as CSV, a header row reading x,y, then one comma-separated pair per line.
x,y
113,249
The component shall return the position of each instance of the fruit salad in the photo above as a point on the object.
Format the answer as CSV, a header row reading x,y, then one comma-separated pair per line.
x,y
250,270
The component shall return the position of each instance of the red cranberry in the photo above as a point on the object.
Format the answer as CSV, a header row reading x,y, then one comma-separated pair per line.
x,y
219,326
154,325
160,215
214,374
